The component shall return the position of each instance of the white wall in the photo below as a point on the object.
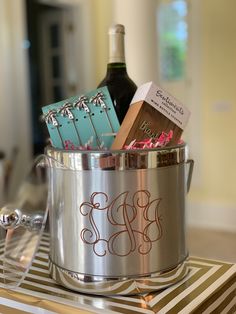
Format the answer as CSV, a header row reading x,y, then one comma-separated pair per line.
x,y
212,197
141,38
15,122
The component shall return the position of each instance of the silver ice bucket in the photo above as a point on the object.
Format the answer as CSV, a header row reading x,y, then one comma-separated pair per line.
x,y
117,219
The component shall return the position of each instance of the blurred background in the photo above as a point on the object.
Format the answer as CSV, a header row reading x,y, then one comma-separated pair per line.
x,y
53,49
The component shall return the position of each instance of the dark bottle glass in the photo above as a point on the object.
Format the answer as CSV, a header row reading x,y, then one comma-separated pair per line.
x,y
120,86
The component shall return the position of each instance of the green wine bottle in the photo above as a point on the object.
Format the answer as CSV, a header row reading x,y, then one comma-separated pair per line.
x,y
120,86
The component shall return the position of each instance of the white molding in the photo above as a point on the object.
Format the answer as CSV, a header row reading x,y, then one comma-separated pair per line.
x,y
211,215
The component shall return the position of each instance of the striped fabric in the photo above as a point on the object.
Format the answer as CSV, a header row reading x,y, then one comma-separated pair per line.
x,y
209,287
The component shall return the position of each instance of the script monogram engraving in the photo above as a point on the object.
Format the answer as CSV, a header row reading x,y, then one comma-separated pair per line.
x,y
133,220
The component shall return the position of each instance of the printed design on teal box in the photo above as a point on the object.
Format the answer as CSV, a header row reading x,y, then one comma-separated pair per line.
x,y
98,100
132,219
81,104
82,119
51,118
66,111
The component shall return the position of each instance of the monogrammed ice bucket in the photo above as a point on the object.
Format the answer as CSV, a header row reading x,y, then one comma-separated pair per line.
x,y
117,219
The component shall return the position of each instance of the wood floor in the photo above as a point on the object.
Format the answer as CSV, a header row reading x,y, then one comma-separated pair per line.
x,y
213,244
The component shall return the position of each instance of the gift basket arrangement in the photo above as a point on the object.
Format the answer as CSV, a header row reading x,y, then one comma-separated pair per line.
x,y
115,188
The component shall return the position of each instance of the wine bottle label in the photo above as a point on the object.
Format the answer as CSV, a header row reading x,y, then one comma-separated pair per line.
x,y
163,102
116,48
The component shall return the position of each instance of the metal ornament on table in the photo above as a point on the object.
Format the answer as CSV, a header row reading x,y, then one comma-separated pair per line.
x,y
81,104
65,111
50,118
98,100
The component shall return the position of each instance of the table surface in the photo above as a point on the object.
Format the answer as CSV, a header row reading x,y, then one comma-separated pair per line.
x,y
210,286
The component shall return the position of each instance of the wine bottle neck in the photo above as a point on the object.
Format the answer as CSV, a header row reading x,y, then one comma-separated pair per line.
x,y
117,68
116,48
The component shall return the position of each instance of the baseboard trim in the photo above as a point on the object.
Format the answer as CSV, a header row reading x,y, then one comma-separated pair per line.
x,y
211,215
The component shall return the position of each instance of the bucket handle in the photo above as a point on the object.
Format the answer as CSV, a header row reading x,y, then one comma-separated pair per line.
x,y
190,163
24,220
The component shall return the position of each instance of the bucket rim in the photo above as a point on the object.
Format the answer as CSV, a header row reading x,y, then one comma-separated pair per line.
x,y
115,151
117,159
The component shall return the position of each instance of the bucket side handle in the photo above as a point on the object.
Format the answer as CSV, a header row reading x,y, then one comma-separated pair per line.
x,y
32,196
24,219
190,164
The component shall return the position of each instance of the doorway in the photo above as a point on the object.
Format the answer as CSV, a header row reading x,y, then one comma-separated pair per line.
x,y
50,44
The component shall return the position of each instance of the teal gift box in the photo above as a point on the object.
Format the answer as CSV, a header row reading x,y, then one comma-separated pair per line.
x,y
83,119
